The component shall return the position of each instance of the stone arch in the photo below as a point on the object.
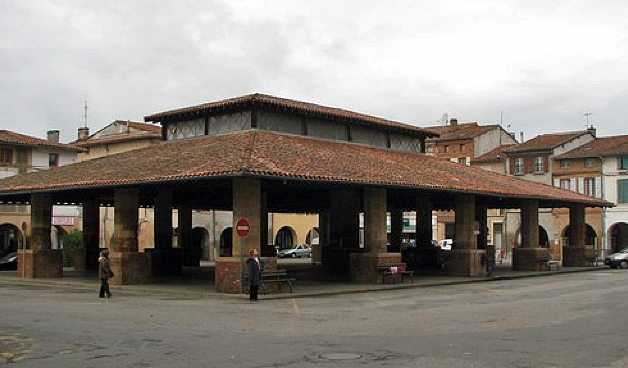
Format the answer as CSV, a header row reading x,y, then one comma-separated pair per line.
x,y
10,238
200,243
57,233
226,242
285,238
543,237
312,236
617,237
590,237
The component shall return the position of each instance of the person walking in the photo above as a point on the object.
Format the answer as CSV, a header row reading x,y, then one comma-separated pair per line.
x,y
104,273
255,274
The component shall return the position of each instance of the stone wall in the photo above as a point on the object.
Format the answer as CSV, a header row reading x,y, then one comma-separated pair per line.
x,y
40,263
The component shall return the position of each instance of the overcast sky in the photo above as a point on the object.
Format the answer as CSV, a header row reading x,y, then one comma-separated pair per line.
x,y
537,65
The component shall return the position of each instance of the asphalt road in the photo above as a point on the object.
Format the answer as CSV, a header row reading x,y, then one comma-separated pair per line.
x,y
566,320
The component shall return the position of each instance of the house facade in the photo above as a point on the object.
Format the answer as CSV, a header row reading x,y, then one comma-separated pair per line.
x,y
21,154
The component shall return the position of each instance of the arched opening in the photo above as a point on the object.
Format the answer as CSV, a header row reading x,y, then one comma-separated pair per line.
x,y
285,238
312,236
618,236
10,239
200,244
226,245
590,237
543,237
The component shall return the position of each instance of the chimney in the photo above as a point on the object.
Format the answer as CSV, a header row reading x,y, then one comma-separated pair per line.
x,y
521,135
83,133
454,123
53,136
592,130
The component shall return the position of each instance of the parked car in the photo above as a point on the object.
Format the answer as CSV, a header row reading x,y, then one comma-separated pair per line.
x,y
299,250
446,244
619,259
9,262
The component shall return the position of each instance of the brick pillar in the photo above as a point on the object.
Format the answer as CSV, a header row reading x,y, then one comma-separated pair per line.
x,y
40,260
247,203
86,258
343,232
396,229
526,257
323,237
575,254
465,259
129,266
364,265
424,232
184,237
481,218
165,260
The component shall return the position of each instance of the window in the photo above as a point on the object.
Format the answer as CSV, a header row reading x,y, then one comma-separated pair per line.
x,y
6,156
518,165
538,164
53,159
447,148
565,184
462,147
589,186
589,162
622,163
622,191
462,160
565,163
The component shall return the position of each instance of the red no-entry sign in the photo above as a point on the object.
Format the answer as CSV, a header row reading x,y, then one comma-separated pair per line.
x,y
243,227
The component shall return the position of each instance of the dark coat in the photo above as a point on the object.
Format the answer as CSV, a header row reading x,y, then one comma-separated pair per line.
x,y
104,268
255,271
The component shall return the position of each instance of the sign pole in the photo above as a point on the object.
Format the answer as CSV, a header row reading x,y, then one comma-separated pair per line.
x,y
24,227
242,229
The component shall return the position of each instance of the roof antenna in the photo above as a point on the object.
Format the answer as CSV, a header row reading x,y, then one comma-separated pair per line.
x,y
586,115
85,115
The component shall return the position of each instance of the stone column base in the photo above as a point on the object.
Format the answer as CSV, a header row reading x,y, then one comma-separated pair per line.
x,y
228,275
40,263
527,259
364,266
130,268
576,257
466,263
165,262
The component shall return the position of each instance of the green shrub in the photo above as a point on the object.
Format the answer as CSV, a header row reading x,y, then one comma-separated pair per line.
x,y
71,241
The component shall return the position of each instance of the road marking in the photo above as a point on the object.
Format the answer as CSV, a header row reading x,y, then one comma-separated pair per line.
x,y
295,306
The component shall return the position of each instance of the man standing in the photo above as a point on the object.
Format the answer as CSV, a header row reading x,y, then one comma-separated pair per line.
x,y
255,274
104,273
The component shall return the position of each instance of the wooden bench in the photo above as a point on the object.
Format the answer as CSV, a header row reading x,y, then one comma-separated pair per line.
x,y
394,270
279,277
548,262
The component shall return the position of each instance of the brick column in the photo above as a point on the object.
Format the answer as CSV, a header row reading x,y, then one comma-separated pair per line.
x,y
165,260
424,232
575,254
129,266
396,229
247,203
184,237
526,257
364,265
343,232
86,258
40,260
465,259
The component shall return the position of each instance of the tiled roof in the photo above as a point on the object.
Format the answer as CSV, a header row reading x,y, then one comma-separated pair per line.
x,y
460,131
268,154
298,107
546,142
494,155
600,147
140,131
11,138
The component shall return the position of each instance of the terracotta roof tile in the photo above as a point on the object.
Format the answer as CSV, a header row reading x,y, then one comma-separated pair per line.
x,y
600,147
461,131
546,142
295,106
263,153
493,155
11,138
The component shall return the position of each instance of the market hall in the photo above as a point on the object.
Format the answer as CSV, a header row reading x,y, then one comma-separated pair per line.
x,y
258,154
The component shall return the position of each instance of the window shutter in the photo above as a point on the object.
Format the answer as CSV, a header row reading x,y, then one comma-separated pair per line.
x,y
557,183
581,185
572,185
598,186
